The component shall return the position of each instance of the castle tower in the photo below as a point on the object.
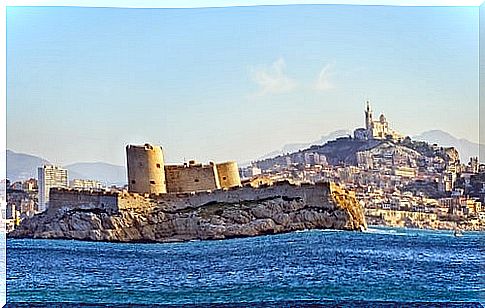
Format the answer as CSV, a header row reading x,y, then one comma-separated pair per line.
x,y
368,117
228,174
146,170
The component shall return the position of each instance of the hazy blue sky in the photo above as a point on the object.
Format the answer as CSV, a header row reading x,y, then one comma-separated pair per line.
x,y
232,83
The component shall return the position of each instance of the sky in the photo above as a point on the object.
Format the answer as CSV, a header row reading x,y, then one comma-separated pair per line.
x,y
482,78
232,83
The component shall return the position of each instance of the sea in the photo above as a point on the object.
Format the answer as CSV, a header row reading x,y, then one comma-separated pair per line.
x,y
380,267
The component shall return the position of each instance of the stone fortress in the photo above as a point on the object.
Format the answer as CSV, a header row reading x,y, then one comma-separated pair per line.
x,y
166,203
379,129
147,173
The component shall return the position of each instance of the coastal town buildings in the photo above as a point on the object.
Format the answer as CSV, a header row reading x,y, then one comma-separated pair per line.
x,y
85,184
249,172
22,198
392,173
31,185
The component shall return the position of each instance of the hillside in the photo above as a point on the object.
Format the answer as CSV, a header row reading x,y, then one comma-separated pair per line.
x,y
22,166
343,151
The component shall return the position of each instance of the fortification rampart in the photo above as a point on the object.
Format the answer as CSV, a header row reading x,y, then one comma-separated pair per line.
x,y
181,178
311,194
127,201
68,199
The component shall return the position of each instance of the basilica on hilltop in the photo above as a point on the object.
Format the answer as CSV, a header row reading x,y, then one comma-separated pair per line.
x,y
376,129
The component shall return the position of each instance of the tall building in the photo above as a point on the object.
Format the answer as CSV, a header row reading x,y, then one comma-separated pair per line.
x,y
50,177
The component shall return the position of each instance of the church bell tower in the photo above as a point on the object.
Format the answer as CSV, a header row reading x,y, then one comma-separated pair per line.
x,y
368,117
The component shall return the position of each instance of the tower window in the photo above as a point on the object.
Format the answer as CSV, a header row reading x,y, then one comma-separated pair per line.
x,y
152,182
133,181
196,180
224,178
158,165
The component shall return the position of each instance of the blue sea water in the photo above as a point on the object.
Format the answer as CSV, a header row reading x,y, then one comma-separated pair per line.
x,y
383,264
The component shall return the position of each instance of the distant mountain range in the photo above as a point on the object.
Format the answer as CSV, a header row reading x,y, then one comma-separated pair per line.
x,y
107,174
465,147
295,147
22,166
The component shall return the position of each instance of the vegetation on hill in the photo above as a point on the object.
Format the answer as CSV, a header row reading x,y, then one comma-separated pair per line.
x,y
428,150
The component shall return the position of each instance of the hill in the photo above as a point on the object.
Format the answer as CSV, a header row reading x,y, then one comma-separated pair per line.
x,y
22,166
103,172
295,147
465,147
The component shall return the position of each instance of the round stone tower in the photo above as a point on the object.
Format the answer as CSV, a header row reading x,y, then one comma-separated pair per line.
x,y
146,170
228,174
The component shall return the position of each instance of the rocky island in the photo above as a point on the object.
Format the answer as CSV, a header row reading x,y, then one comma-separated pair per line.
x,y
221,214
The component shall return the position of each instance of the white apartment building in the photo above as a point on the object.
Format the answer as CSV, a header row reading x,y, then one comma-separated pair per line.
x,y
50,177
86,184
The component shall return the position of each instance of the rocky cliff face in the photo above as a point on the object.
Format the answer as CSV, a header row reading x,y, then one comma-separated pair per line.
x,y
212,220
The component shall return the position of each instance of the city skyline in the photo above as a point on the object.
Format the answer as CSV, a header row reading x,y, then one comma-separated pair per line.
x,y
296,73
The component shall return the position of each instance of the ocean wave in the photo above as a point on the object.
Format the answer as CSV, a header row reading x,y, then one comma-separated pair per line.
x,y
388,232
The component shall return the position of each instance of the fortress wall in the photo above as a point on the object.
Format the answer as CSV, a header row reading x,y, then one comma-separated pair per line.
x,y
316,195
228,174
127,201
146,172
191,178
69,199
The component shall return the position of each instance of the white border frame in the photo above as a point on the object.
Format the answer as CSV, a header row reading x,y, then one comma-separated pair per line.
x,y
176,4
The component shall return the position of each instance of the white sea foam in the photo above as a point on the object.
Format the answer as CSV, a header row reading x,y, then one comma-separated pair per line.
x,y
387,232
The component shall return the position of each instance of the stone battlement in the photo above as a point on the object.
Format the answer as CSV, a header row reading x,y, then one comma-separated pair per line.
x,y
147,173
75,191
69,199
